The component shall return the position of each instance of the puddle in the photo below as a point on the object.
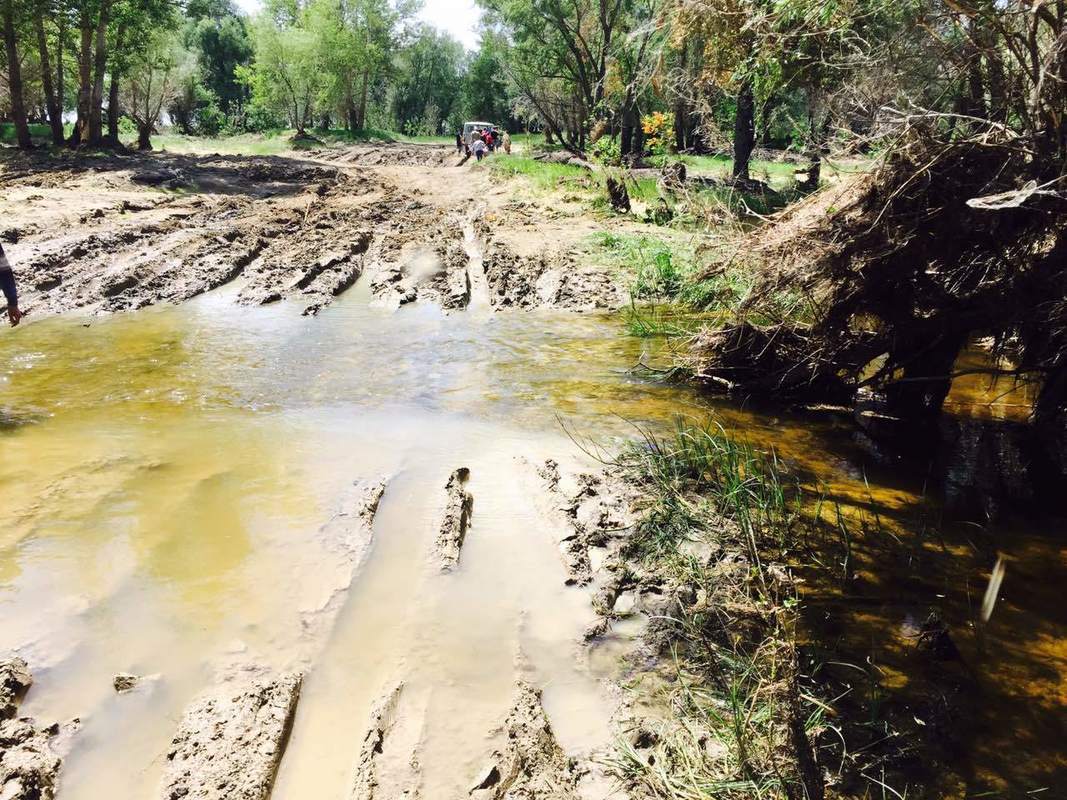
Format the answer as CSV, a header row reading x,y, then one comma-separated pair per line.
x,y
164,474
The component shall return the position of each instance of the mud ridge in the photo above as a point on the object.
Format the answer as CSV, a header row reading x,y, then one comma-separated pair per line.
x,y
425,260
530,763
388,765
29,768
554,280
597,511
381,719
348,534
230,741
459,505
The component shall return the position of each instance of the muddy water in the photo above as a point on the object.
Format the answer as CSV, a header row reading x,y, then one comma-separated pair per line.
x,y
164,475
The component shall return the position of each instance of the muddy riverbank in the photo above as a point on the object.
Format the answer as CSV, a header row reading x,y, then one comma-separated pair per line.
x,y
250,507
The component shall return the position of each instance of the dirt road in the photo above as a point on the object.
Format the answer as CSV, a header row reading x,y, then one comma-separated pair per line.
x,y
122,232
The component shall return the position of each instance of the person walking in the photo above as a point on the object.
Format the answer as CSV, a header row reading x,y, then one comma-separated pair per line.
x,y
505,141
459,142
489,140
478,148
7,284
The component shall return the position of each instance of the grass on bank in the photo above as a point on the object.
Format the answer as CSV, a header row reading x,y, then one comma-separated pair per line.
x,y
721,523
699,205
271,142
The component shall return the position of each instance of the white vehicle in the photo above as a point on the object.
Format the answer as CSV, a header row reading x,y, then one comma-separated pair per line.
x,y
470,127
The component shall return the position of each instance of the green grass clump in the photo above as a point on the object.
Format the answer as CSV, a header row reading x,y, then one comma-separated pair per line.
x,y
37,132
545,176
659,267
719,514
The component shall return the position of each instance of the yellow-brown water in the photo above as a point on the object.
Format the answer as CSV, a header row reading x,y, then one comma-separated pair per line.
x,y
164,473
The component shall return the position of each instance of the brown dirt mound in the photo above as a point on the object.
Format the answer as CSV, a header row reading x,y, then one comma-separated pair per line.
x,y
906,262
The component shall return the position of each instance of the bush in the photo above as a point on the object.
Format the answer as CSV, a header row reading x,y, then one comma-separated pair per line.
x,y
210,120
606,150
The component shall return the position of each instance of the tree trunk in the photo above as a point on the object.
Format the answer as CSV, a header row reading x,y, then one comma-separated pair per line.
x,y
144,137
14,78
60,78
927,359
744,130
96,126
626,134
681,111
361,114
55,111
353,118
113,110
85,65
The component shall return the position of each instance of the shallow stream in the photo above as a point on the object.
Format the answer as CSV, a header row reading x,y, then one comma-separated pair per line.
x,y
163,475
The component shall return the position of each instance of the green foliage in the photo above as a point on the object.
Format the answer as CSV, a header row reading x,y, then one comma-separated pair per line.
x,y
485,89
658,267
427,88
717,511
605,150
545,175
287,77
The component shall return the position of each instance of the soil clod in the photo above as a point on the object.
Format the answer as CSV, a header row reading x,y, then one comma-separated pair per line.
x,y
29,767
459,504
230,741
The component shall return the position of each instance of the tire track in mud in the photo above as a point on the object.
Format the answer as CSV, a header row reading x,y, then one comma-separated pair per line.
x,y
233,733
287,229
457,711
312,246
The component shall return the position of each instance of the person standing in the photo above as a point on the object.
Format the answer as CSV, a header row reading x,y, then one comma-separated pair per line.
x,y
7,284
505,141
459,142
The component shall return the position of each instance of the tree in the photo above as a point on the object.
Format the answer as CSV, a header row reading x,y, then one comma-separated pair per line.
x,y
560,57
287,75
486,93
154,74
9,12
53,99
428,79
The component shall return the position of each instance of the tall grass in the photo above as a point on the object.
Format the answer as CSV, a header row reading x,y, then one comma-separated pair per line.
x,y
737,726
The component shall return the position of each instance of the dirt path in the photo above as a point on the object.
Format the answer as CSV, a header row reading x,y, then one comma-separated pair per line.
x,y
123,232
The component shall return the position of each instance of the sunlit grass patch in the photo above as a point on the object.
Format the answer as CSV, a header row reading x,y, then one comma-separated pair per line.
x,y
546,176
720,520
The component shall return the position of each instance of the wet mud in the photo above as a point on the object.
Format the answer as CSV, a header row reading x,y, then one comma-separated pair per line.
x,y
123,232
596,511
530,763
229,743
202,465
29,768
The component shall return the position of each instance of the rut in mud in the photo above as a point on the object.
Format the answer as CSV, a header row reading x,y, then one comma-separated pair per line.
x,y
148,229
